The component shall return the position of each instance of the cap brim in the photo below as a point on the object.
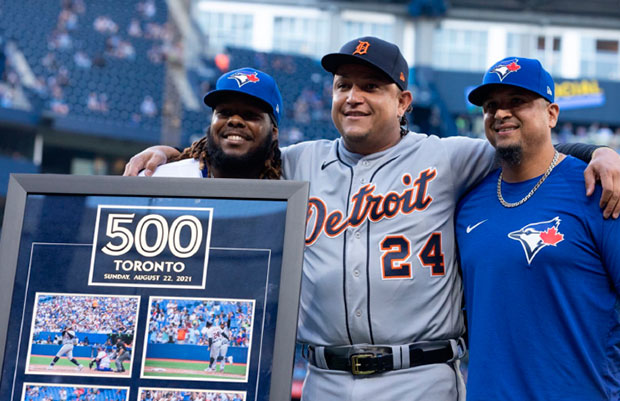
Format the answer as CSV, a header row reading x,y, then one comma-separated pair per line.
x,y
479,95
215,97
331,62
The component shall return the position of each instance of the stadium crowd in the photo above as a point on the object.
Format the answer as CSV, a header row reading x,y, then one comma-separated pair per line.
x,y
117,44
168,395
86,314
56,393
106,63
185,321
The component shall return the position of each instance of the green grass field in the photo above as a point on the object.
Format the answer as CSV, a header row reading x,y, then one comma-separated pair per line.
x,y
45,360
194,369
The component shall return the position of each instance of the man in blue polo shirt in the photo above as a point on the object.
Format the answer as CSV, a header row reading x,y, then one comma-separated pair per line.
x,y
541,265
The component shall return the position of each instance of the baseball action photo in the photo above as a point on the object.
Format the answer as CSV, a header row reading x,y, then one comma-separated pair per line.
x,y
83,335
68,392
163,394
198,339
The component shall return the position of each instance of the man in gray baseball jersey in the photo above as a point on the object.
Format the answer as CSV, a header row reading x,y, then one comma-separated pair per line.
x,y
69,339
380,302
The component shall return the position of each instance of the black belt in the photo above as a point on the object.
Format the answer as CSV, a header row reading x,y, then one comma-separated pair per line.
x,y
369,359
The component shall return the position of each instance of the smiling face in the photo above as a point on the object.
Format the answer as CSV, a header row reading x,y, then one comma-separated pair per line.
x,y
518,118
366,108
239,127
240,137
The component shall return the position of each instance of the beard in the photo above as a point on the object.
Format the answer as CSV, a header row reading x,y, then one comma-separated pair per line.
x,y
245,166
510,155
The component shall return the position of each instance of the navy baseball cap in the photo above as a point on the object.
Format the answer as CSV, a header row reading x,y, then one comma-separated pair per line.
x,y
250,82
521,72
373,52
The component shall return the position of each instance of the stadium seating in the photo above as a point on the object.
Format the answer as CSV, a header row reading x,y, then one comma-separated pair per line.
x,y
85,86
120,81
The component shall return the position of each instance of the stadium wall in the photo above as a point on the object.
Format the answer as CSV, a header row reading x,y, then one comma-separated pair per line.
x,y
93,338
158,351
79,351
192,352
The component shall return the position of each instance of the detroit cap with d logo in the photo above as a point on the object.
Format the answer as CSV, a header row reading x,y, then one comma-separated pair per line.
x,y
250,82
520,72
374,52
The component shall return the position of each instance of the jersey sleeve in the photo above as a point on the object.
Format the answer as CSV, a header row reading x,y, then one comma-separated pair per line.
x,y
581,151
470,160
610,249
291,156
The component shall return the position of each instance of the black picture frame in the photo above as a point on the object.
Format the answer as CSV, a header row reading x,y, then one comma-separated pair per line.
x,y
277,211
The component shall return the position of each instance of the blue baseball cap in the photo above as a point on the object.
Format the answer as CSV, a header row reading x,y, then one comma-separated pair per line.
x,y
373,52
521,72
249,82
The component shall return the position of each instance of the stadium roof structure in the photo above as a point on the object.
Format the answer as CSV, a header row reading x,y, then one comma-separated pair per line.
x,y
591,13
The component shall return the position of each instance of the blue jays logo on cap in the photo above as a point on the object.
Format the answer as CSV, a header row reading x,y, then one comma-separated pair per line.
x,y
521,72
504,68
248,82
536,236
243,78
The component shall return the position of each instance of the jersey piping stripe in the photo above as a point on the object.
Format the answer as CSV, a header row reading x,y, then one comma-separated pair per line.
x,y
326,164
344,250
372,177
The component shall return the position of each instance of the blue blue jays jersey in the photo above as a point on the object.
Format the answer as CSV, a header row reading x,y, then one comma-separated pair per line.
x,y
542,284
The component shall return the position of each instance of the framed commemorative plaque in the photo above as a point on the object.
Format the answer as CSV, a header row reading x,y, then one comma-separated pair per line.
x,y
131,288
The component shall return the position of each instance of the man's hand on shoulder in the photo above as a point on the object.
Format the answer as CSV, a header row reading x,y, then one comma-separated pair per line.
x,y
149,159
605,167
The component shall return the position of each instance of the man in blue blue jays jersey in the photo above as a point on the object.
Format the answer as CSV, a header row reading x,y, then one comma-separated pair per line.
x,y
541,265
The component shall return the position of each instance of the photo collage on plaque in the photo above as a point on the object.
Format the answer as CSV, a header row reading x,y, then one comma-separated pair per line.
x,y
133,317
65,392
83,335
198,339
164,394
203,339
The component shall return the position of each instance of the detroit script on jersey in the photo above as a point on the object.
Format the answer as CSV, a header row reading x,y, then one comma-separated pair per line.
x,y
368,205
380,237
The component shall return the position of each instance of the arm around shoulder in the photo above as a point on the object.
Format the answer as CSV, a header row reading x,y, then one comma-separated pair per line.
x,y
605,167
470,159
149,159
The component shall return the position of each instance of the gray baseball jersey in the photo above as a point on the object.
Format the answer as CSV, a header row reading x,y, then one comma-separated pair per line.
x,y
68,341
215,333
68,337
379,263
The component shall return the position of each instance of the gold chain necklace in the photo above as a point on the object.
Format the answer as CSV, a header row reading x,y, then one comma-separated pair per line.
x,y
529,195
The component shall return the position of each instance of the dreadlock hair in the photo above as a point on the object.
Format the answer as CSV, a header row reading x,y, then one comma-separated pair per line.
x,y
272,169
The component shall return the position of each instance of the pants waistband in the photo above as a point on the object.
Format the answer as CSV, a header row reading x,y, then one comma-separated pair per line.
x,y
371,359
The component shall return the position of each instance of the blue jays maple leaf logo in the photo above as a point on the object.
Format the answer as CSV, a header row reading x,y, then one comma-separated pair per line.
x,y
534,237
243,78
506,68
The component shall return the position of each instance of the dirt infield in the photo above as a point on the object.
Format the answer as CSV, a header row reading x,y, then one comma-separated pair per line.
x,y
72,369
156,371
